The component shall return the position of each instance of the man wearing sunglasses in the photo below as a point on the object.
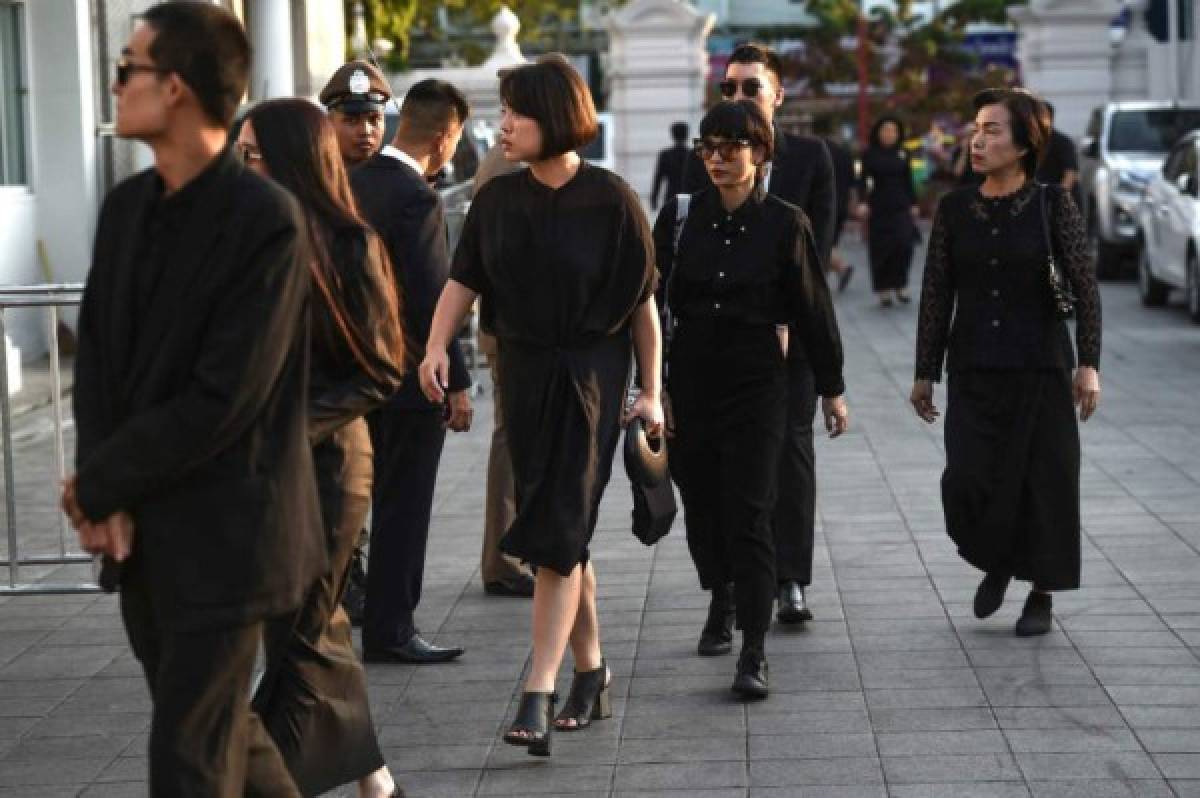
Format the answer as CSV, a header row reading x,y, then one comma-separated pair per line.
x,y
194,474
801,173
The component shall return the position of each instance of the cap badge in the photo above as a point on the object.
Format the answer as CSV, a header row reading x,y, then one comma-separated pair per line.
x,y
359,82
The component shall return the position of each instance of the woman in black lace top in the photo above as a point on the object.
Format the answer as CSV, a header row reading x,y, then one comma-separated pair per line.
x,y
1010,490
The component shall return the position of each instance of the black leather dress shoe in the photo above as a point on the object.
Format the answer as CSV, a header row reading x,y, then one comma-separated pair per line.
x,y
520,586
716,638
990,595
792,606
417,651
751,678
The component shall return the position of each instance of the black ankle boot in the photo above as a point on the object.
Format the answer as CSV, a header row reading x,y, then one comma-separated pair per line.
x,y
751,679
990,594
717,636
1038,616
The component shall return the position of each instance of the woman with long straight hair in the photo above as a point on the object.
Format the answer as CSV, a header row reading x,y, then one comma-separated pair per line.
x,y
1010,491
561,255
313,696
746,267
890,210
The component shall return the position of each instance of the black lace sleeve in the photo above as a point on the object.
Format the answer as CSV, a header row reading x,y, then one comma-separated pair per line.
x,y
937,301
1071,239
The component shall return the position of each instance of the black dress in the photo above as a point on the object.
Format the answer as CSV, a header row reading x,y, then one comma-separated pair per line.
x,y
888,186
560,272
313,695
1010,490
737,276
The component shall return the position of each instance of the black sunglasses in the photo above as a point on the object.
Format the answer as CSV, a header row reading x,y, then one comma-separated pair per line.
x,y
728,148
750,87
126,68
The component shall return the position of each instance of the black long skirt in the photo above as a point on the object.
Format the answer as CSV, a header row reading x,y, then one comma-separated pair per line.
x,y
891,238
1010,490
313,695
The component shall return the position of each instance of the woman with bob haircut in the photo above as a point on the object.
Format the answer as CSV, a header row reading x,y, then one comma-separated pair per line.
x,y
313,695
889,210
746,267
1010,491
560,253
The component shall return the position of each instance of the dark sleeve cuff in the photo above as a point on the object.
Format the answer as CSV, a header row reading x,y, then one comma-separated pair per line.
x,y
460,376
829,385
90,494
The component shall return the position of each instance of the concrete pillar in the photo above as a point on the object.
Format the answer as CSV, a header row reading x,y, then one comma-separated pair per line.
x,y
270,23
658,70
320,44
1066,55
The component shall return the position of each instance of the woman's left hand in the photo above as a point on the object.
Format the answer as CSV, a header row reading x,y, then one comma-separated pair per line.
x,y
649,409
837,415
1087,391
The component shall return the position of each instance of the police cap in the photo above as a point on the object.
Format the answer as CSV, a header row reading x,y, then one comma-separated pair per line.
x,y
356,88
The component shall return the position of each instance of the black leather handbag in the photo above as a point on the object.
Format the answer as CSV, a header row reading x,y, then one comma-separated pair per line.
x,y
1062,299
654,507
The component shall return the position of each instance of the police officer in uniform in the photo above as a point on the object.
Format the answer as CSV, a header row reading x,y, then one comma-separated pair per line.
x,y
355,98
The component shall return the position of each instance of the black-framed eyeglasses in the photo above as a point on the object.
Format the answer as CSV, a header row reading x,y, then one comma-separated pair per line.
x,y
248,153
126,69
750,87
728,148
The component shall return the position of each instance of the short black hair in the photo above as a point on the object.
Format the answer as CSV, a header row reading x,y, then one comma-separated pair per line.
x,y
873,139
207,47
740,119
752,53
1027,120
433,106
679,132
552,93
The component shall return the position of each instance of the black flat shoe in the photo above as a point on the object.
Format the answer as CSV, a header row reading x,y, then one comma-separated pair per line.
x,y
792,606
990,594
751,679
518,587
417,651
1038,616
588,700
716,638
844,278
531,728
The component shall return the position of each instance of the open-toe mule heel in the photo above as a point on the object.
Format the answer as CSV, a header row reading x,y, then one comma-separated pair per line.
x,y
588,700
531,728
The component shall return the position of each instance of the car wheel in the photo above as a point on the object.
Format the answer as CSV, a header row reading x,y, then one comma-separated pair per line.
x,y
1152,291
1193,287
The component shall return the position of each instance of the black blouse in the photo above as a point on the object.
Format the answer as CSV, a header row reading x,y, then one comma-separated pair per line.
x,y
756,265
985,298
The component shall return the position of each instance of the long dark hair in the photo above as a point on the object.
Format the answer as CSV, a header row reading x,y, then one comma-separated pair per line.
x,y
300,149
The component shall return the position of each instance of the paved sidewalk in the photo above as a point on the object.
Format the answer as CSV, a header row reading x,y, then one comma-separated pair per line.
x,y
895,689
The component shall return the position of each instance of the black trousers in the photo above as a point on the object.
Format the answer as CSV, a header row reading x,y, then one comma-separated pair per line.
x,y
313,696
205,740
795,509
408,448
728,394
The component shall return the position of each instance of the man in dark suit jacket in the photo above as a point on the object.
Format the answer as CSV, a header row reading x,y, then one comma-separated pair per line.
x,y
668,173
802,174
408,433
194,473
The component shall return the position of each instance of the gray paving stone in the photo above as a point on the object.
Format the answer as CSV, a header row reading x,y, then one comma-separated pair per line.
x,y
993,789
964,768
940,743
1120,765
687,776
816,772
811,746
1140,788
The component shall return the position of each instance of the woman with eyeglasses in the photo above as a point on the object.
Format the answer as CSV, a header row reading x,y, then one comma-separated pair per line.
x,y
313,695
560,254
890,210
745,268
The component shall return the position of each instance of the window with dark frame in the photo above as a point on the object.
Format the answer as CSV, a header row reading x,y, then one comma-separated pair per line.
x,y
14,96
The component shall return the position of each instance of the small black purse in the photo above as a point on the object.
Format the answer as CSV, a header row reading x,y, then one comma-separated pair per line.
x,y
654,507
1062,298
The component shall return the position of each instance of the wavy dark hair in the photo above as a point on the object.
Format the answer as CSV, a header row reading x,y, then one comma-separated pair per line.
x,y
740,119
1027,120
873,139
300,150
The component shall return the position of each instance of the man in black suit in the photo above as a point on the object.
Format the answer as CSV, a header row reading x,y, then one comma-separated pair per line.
x,y
668,173
194,473
802,174
407,434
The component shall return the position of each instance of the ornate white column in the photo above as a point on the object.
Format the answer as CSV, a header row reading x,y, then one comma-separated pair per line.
x,y
271,36
658,69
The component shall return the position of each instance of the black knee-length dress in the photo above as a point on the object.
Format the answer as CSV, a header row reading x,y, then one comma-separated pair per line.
x,y
1010,491
560,273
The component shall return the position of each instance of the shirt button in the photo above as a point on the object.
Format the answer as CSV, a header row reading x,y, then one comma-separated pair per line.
x,y
716,306
727,242
995,322
995,261
995,231
995,292
721,275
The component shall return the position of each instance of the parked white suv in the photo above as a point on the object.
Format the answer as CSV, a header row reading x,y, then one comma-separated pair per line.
x,y
1168,221
1124,145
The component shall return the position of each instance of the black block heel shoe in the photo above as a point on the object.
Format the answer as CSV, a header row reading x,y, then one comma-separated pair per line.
x,y
588,700
533,718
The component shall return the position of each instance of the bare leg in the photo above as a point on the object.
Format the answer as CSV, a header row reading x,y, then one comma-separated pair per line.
x,y
377,785
585,634
555,606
